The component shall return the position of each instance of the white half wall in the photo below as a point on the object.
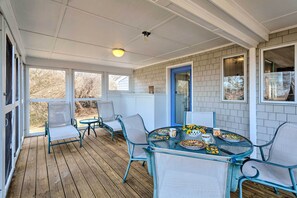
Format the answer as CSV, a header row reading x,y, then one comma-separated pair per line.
x,y
151,107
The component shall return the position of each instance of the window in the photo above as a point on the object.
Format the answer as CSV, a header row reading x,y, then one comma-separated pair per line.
x,y
45,85
278,74
118,83
87,89
38,116
234,78
87,85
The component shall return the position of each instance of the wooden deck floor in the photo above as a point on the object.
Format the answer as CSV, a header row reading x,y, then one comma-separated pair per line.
x,y
95,170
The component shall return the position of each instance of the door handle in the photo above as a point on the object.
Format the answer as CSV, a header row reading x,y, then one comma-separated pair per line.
x,y
6,122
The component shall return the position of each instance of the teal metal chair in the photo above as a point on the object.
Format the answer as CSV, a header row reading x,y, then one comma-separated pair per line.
x,y
189,174
207,119
107,118
60,125
279,168
135,134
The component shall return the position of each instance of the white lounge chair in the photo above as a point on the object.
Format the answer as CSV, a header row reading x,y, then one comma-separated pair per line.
x,y
207,119
135,134
60,126
107,118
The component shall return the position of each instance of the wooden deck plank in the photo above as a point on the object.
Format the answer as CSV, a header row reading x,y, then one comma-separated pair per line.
x,y
111,148
98,166
20,169
54,179
90,176
42,186
78,177
105,173
97,163
69,186
143,189
29,185
120,147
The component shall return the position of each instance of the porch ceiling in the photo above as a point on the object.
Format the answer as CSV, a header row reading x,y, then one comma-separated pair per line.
x,y
86,31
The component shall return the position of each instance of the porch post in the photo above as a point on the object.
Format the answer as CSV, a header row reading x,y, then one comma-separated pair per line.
x,y
252,98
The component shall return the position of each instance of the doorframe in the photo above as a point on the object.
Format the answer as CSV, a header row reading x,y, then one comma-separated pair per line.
x,y
168,87
7,108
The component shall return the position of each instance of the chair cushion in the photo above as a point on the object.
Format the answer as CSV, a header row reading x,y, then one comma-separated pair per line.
x,y
267,173
65,132
115,125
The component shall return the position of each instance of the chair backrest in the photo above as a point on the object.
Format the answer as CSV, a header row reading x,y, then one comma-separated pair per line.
x,y
134,129
186,174
59,114
105,110
207,119
284,145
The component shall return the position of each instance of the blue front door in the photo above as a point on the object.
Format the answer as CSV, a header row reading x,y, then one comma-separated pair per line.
x,y
180,93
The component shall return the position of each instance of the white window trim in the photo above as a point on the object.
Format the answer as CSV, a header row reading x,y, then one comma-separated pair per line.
x,y
244,78
29,100
119,91
261,61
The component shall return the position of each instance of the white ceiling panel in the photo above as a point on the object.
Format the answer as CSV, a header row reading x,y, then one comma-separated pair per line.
x,y
264,10
151,61
129,57
37,15
37,41
91,60
196,48
153,46
80,49
181,30
88,28
282,22
39,54
138,13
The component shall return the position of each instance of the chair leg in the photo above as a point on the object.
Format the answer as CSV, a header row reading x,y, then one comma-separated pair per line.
x,y
241,180
80,141
112,136
49,148
127,171
143,163
275,190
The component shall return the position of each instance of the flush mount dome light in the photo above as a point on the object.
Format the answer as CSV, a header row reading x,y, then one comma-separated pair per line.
x,y
118,52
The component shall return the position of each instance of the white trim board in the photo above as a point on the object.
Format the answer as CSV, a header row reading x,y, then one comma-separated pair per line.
x,y
168,87
253,97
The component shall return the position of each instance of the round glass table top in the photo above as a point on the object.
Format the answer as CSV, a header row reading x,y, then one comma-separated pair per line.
x,y
227,144
88,121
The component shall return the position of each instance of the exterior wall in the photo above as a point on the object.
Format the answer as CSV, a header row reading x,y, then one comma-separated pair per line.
x,y
207,89
270,116
232,116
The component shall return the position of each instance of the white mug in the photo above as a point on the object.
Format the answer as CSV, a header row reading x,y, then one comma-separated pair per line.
x,y
206,138
172,132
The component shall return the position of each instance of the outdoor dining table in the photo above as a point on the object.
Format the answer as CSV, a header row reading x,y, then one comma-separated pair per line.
x,y
237,151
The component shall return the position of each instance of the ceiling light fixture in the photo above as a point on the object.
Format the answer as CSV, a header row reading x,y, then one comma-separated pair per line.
x,y
118,52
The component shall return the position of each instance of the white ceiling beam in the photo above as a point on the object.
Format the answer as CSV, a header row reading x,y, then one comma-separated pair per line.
x,y
228,31
7,11
233,9
224,29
